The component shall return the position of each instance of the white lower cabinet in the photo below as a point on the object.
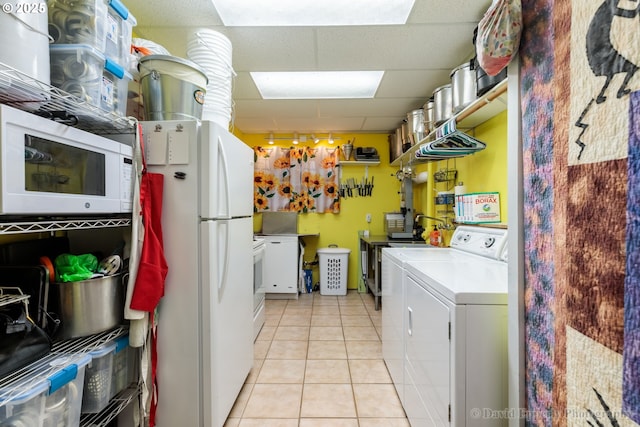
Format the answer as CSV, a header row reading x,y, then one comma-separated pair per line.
x,y
281,264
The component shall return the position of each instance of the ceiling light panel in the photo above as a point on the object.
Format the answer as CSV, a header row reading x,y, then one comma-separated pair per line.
x,y
243,13
317,84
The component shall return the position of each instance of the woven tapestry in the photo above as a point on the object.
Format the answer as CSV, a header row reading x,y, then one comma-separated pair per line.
x,y
581,141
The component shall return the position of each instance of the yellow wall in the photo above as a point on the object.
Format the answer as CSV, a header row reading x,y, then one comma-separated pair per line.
x,y
484,171
342,229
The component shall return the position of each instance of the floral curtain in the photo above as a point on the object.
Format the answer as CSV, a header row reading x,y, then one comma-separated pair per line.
x,y
296,179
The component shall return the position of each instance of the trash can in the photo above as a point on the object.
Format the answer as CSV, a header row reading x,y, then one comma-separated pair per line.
x,y
334,263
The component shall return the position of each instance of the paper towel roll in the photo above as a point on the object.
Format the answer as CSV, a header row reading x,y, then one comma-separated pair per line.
x,y
421,178
459,189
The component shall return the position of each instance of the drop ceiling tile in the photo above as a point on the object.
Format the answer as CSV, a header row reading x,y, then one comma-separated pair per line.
x,y
244,88
380,124
368,107
169,13
275,108
395,48
255,124
336,124
446,11
413,83
273,49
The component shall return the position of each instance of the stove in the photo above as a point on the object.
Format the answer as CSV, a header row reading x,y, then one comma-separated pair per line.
x,y
258,285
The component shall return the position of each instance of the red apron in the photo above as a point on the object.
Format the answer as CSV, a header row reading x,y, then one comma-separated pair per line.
x,y
152,269
152,266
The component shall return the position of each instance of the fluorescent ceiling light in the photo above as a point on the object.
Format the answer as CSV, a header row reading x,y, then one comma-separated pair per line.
x,y
317,84
245,13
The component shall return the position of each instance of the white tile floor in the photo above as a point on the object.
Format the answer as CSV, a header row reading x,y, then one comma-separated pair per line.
x,y
318,363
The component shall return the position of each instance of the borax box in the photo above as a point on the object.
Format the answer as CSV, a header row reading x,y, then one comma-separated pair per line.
x,y
476,208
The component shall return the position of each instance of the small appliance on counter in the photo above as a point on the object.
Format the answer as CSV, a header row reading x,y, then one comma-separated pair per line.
x,y
279,223
366,154
403,228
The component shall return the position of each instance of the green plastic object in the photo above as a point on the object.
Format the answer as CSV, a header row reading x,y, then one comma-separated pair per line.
x,y
73,268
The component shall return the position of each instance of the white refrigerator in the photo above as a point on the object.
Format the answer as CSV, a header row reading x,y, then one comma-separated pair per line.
x,y
205,319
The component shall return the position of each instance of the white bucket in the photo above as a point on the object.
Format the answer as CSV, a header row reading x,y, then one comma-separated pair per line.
x,y
25,38
172,88
213,52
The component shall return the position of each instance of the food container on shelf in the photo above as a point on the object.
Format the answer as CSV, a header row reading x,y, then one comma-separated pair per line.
x,y
123,365
64,396
89,306
415,126
442,104
429,122
406,142
25,45
444,198
393,222
395,145
98,379
78,22
119,29
23,405
463,86
485,82
84,72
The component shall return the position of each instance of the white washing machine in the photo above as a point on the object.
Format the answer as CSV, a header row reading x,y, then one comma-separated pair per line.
x,y
444,328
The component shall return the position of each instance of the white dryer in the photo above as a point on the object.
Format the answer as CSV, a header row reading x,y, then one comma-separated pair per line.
x,y
450,307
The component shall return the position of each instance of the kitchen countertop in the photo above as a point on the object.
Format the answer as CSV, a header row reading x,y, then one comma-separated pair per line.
x,y
383,239
289,234
371,249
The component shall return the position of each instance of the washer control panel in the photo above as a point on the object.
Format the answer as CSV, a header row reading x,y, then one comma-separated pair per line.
x,y
488,242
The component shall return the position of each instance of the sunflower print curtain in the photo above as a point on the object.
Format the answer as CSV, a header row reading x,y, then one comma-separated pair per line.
x,y
296,179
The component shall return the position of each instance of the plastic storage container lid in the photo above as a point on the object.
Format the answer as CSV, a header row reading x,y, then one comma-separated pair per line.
x,y
23,393
122,10
334,251
119,8
122,343
72,48
69,366
103,350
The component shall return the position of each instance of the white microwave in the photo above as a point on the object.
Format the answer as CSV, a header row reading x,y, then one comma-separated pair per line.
x,y
48,168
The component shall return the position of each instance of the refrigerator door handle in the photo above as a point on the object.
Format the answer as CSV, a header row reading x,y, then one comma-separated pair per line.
x,y
225,174
223,249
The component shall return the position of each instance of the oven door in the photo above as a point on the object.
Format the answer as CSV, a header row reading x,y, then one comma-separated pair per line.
x,y
258,290
258,276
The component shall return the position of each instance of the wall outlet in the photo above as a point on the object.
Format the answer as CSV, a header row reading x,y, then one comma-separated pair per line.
x,y
369,218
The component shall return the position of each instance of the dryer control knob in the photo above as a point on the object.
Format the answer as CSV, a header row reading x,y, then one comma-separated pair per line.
x,y
489,241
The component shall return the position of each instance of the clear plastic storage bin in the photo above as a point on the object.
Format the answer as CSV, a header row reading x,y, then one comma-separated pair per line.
x,y
334,263
64,396
123,365
23,405
84,72
120,23
98,379
78,22
49,397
